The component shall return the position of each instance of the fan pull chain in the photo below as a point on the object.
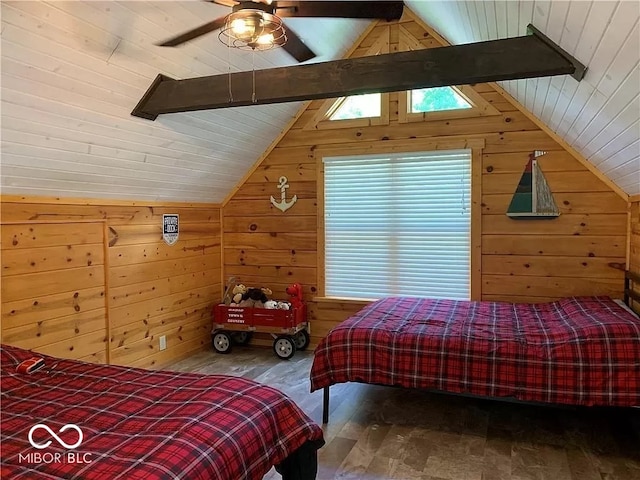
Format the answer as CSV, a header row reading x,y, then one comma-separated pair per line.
x,y
253,77
229,65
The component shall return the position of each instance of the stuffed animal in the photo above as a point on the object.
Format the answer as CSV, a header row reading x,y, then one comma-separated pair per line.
x,y
227,298
295,295
284,306
253,297
238,291
271,304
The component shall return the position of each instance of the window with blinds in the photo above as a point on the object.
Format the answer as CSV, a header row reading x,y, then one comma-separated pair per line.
x,y
398,224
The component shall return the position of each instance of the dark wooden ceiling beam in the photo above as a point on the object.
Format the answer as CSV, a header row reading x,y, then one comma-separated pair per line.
x,y
508,59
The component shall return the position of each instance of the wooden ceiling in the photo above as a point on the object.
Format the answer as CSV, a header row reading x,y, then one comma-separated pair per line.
x,y
73,71
598,116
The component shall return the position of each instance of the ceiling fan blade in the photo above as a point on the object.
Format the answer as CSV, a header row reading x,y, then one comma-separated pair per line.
x,y
375,9
296,47
195,33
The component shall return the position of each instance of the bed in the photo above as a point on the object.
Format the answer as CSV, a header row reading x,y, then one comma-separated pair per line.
x,y
576,351
139,424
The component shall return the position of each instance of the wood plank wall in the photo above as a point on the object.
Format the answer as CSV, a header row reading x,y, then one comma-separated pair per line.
x,y
53,288
580,253
634,242
51,299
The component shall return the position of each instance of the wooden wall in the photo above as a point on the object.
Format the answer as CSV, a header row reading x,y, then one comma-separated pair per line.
x,y
634,242
95,280
581,252
634,235
53,288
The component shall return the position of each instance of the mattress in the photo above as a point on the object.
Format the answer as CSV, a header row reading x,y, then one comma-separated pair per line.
x,y
578,350
138,424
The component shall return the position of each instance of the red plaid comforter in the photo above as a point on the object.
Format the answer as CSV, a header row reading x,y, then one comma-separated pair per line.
x,y
581,351
139,424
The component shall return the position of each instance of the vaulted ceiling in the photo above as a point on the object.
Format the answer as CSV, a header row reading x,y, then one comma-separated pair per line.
x,y
73,71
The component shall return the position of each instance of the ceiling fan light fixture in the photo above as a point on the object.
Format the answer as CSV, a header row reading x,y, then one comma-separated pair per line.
x,y
266,39
244,27
253,29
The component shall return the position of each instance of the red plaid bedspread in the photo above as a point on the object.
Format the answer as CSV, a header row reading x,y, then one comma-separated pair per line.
x,y
139,424
581,351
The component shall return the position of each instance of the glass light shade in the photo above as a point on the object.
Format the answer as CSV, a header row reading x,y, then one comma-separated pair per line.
x,y
252,29
246,28
265,39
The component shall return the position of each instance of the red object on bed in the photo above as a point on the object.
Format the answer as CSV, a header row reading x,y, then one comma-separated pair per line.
x,y
139,424
580,351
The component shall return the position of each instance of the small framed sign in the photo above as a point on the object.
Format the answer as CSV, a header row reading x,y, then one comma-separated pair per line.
x,y
170,228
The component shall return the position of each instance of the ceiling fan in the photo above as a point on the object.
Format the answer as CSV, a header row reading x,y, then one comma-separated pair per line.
x,y
256,24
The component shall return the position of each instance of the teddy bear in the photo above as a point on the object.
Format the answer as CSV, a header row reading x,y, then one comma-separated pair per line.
x,y
295,295
237,292
254,297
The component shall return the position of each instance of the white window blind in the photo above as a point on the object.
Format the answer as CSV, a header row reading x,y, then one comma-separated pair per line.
x,y
398,224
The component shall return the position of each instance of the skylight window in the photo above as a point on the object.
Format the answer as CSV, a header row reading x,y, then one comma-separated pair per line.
x,y
357,106
437,99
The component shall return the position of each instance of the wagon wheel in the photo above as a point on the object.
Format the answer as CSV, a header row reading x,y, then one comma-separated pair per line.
x,y
302,340
221,342
241,338
284,347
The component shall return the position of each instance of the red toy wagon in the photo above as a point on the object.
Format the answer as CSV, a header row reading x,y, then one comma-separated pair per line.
x,y
289,328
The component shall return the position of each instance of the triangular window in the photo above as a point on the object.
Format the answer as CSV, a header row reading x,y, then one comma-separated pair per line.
x,y
436,99
356,106
437,103
356,111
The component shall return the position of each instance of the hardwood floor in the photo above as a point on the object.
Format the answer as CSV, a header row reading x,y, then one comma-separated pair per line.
x,y
377,433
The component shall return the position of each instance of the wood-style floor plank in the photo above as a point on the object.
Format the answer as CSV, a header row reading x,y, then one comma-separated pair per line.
x,y
384,433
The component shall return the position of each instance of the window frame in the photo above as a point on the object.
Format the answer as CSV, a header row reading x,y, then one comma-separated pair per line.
x,y
321,121
479,107
469,103
416,145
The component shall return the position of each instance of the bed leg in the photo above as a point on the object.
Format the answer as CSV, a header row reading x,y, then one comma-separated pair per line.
x,y
325,405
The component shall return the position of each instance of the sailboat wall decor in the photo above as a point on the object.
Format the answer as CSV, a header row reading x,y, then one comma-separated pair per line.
x,y
533,198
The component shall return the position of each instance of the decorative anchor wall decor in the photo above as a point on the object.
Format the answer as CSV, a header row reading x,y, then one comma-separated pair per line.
x,y
283,205
533,198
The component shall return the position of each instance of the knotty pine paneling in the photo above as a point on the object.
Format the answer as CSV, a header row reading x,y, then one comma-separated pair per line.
x,y
579,253
515,125
634,236
53,288
325,314
95,281
634,243
134,314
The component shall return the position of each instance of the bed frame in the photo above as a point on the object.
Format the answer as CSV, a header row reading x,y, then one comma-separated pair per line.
x,y
631,294
631,282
